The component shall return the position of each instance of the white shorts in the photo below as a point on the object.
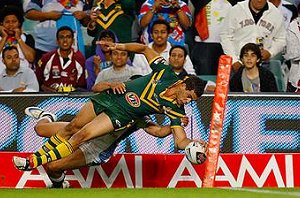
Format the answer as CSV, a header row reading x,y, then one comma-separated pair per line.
x,y
99,150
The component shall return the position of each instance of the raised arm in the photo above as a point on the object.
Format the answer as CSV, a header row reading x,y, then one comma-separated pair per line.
x,y
148,52
37,15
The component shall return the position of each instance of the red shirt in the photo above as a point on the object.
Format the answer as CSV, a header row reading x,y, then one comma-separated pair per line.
x,y
53,72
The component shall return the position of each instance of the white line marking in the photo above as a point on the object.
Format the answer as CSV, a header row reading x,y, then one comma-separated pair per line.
x,y
263,191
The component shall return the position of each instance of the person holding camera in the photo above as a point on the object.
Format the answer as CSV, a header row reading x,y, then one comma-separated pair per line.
x,y
175,12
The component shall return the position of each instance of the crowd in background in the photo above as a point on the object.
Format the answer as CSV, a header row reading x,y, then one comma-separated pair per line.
x,y
53,45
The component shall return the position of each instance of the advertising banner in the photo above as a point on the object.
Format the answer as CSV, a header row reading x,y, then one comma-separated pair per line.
x,y
165,171
253,123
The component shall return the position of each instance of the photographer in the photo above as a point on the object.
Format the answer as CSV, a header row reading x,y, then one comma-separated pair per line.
x,y
175,12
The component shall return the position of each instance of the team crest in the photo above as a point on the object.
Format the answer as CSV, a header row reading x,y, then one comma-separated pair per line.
x,y
133,99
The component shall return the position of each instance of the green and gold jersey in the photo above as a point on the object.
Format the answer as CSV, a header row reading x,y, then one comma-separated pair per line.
x,y
144,95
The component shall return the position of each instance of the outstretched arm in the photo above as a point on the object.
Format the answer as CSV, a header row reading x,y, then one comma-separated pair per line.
x,y
180,139
162,131
157,130
148,52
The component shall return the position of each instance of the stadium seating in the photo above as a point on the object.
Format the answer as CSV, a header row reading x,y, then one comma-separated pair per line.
x,y
275,68
208,77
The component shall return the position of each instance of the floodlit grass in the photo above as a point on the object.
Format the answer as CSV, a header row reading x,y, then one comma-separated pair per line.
x,y
154,193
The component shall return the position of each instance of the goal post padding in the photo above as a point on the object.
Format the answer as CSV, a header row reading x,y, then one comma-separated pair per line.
x,y
217,118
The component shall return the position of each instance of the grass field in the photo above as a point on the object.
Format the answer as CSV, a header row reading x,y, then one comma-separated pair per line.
x,y
154,193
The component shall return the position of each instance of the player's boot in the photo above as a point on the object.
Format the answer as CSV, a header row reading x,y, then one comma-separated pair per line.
x,y
38,113
21,163
64,184
59,182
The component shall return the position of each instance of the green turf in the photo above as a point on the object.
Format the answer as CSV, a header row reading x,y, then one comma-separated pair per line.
x,y
152,193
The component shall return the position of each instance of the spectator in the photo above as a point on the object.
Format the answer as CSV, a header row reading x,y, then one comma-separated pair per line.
x,y
16,3
12,34
101,60
177,59
253,21
52,14
16,77
289,12
206,48
62,69
175,12
160,44
87,9
293,54
251,77
109,14
287,9
119,72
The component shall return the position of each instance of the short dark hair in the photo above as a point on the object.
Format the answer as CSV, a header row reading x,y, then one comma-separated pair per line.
x,y
181,47
251,47
9,48
107,34
163,22
62,28
195,83
11,10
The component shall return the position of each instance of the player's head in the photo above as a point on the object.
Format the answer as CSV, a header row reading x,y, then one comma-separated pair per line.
x,y
177,56
160,32
191,88
250,55
65,38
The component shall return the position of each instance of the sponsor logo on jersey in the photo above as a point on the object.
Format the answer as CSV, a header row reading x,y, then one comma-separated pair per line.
x,y
133,99
56,72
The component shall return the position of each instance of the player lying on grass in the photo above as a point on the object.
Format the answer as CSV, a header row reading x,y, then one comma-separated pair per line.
x,y
93,152
160,92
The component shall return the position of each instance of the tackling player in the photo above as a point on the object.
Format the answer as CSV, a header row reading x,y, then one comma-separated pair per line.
x,y
93,152
160,92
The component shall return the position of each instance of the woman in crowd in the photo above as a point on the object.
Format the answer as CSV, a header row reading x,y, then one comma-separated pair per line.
x,y
11,21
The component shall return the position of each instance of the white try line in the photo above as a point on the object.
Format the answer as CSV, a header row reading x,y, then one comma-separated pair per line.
x,y
265,191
